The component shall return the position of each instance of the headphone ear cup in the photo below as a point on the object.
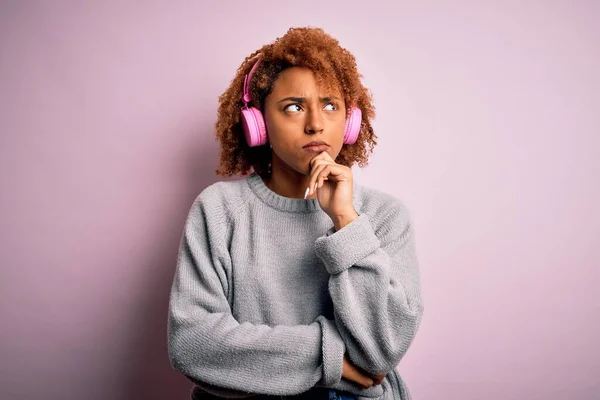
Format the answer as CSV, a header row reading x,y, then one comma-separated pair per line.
x,y
253,124
352,128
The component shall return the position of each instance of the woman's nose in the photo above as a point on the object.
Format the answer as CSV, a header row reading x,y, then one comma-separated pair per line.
x,y
314,122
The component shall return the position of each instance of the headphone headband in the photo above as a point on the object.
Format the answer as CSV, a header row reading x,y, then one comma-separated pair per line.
x,y
247,81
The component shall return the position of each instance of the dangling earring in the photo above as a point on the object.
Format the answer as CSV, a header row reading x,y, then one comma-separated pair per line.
x,y
270,167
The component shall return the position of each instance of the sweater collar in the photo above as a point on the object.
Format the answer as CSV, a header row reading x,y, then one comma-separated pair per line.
x,y
279,202
287,204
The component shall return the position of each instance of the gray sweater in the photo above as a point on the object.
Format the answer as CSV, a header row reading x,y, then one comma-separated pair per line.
x,y
267,296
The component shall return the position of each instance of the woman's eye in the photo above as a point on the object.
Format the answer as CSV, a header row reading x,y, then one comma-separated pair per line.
x,y
331,107
293,108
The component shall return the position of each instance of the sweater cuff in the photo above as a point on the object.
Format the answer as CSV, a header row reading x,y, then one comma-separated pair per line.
x,y
333,352
342,249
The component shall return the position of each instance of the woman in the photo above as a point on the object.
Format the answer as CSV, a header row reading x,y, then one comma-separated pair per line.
x,y
295,281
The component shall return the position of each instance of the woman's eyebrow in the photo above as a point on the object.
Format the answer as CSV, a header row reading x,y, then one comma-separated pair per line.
x,y
303,99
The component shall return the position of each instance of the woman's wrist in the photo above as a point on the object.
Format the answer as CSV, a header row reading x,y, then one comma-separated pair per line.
x,y
340,221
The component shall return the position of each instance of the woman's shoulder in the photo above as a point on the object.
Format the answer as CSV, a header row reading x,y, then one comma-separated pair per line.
x,y
381,206
224,196
224,189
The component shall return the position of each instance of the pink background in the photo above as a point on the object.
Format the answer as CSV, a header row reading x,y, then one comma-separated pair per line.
x,y
489,130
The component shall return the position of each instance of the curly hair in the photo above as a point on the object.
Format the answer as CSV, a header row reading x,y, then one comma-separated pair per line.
x,y
332,65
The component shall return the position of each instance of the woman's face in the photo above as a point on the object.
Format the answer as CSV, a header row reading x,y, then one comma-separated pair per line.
x,y
297,113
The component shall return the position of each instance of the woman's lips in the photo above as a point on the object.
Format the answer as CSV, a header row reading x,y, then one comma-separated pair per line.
x,y
318,148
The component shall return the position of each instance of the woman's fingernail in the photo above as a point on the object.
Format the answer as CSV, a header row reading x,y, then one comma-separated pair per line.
x,y
306,193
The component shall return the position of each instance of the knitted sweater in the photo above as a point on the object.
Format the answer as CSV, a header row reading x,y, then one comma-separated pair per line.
x,y
267,296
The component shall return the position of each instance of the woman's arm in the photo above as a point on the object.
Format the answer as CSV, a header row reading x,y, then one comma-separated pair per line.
x,y
209,346
374,285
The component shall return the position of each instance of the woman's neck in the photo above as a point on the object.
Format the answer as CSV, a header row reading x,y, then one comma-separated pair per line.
x,y
286,181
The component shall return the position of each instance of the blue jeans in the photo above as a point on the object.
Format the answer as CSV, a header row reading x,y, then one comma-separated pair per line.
x,y
335,395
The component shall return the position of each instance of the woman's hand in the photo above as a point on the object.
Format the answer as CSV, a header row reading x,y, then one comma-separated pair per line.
x,y
333,184
354,374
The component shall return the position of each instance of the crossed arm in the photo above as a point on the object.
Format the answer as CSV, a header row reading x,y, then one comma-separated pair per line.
x,y
374,286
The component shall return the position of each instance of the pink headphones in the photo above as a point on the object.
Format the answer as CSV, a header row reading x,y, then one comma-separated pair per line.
x,y
253,121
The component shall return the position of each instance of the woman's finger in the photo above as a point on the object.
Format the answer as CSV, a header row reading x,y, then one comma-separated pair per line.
x,y
354,374
320,156
320,162
377,378
326,156
323,174
314,175
362,380
366,382
314,168
321,181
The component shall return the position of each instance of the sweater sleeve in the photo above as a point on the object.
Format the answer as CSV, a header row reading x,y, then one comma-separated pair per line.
x,y
374,286
210,347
